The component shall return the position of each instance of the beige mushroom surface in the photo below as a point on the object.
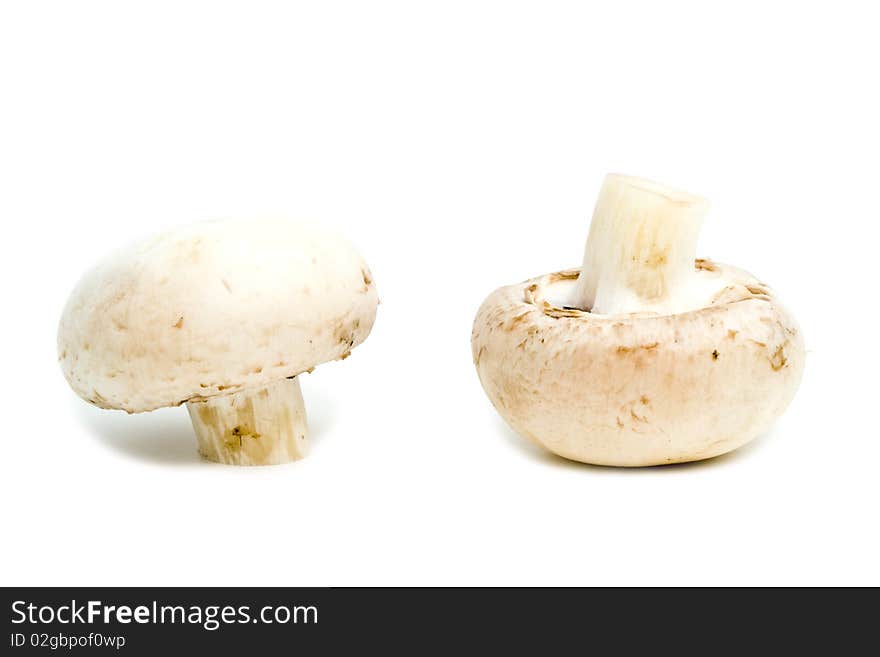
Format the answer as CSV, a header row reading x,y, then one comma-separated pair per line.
x,y
223,316
688,359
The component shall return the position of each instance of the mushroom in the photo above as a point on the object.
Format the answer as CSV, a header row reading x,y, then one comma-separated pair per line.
x,y
645,355
221,316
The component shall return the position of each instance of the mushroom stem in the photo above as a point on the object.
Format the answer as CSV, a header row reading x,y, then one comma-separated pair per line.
x,y
256,426
641,248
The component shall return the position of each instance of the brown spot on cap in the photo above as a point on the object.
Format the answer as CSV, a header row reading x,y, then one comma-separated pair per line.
x,y
515,320
778,359
566,275
642,347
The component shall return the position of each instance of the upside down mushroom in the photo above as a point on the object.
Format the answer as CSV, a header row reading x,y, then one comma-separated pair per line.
x,y
646,355
221,316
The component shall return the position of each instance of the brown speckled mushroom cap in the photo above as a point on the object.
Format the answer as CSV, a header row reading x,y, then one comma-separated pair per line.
x,y
638,389
213,308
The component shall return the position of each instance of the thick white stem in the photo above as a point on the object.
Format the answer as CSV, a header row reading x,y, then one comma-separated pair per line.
x,y
260,426
641,249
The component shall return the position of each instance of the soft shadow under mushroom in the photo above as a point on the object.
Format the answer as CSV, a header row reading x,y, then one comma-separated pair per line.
x,y
540,455
164,436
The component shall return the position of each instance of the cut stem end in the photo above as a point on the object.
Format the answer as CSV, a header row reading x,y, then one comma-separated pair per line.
x,y
641,248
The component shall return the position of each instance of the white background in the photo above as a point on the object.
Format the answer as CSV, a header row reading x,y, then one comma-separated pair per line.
x,y
460,145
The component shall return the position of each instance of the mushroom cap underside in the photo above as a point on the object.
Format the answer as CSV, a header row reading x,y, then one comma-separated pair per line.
x,y
212,308
638,389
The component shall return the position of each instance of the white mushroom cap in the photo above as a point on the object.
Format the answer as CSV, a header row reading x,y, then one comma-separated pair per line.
x,y
638,389
213,308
